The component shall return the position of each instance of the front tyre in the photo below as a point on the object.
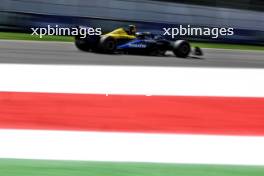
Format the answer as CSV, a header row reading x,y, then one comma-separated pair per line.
x,y
181,48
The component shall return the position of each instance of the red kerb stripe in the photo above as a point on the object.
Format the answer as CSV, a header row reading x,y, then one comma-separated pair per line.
x,y
124,113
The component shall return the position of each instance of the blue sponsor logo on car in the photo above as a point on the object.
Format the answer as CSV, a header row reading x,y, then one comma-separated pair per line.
x,y
133,45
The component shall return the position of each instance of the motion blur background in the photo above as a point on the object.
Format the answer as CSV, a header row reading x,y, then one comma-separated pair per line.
x,y
246,16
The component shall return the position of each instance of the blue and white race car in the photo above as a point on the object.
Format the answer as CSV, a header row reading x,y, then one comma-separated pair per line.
x,y
145,43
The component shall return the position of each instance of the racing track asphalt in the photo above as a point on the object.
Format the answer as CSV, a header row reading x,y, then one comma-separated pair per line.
x,y
31,52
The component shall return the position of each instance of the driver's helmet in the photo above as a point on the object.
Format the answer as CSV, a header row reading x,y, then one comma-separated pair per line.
x,y
132,30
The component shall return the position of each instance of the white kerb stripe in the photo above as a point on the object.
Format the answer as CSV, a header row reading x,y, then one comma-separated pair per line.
x,y
132,80
131,147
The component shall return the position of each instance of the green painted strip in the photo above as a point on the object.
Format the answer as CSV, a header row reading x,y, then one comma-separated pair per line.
x,y
12,167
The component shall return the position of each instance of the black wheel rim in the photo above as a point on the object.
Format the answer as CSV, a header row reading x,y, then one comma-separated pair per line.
x,y
185,49
110,45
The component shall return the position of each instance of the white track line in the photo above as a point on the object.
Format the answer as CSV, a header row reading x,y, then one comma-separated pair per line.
x,y
132,80
132,147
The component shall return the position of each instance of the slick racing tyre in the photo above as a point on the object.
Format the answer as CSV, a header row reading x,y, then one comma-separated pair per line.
x,y
82,44
181,48
108,44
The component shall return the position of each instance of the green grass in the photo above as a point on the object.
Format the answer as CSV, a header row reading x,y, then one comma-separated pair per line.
x,y
77,168
228,46
22,36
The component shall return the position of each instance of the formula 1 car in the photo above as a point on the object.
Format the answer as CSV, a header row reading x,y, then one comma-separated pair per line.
x,y
145,43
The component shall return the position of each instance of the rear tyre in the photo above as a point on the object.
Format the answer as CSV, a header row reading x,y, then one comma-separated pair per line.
x,y
82,44
108,44
181,48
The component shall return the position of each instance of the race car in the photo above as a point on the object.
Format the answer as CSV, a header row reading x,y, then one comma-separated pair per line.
x,y
132,42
